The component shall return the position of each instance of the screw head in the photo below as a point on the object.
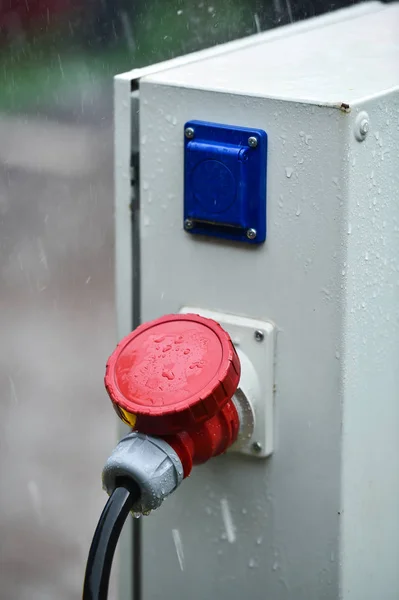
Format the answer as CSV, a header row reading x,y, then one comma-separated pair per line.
x,y
251,233
252,141
256,447
259,335
188,224
364,127
189,133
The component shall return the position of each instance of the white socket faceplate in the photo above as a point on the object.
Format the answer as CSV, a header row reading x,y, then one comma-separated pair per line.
x,y
254,341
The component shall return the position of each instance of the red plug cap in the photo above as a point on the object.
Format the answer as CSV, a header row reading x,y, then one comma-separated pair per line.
x,y
172,374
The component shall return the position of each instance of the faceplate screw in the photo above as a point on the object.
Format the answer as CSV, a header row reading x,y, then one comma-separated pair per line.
x,y
189,133
256,447
188,224
259,335
364,127
251,233
252,141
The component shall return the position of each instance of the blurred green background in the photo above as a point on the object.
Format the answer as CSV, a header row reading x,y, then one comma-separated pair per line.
x,y
49,46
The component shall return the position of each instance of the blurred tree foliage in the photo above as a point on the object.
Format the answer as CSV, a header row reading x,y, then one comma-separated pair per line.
x,y
159,29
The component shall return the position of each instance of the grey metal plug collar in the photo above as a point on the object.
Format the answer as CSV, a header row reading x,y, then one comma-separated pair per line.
x,y
151,462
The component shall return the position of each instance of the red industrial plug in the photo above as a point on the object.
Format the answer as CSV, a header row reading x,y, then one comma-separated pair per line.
x,y
172,381
175,378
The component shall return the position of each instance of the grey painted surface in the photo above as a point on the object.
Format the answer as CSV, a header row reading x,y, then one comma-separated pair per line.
x,y
57,329
285,509
123,138
370,483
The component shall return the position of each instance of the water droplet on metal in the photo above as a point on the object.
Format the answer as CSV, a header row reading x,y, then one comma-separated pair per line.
x,y
289,171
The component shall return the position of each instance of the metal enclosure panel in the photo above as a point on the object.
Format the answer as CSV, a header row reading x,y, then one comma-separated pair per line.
x,y
329,493
284,509
370,448
123,139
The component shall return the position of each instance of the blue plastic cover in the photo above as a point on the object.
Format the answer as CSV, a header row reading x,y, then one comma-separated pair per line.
x,y
225,182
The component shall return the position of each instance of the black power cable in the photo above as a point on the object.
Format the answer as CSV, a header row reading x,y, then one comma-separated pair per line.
x,y
102,549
